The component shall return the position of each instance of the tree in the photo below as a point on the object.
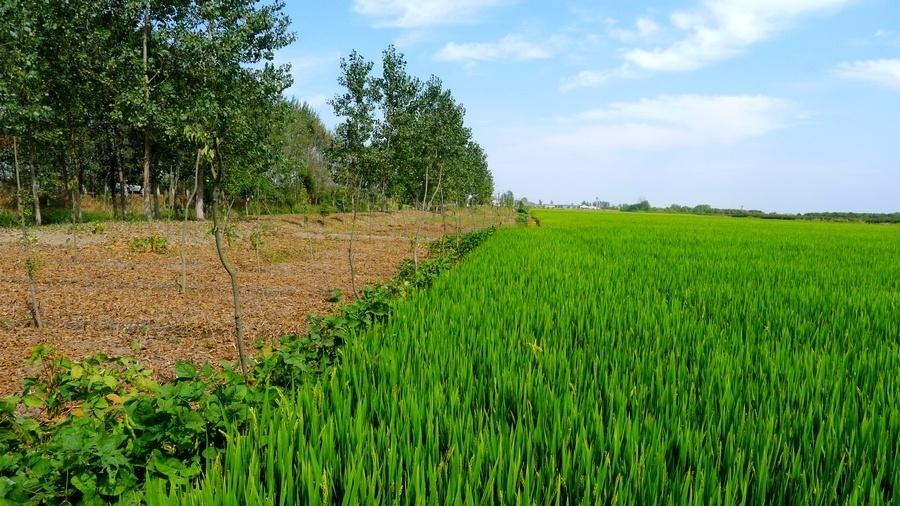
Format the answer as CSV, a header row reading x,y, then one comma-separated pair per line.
x,y
30,260
643,205
394,136
226,43
420,150
299,171
507,199
23,108
353,137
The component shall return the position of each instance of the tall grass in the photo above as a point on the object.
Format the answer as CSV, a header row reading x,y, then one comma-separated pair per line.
x,y
606,358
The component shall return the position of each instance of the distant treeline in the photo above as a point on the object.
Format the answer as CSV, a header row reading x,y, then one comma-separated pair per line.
x,y
704,209
753,213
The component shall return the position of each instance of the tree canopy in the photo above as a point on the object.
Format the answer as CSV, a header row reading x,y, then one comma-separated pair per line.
x,y
109,96
404,139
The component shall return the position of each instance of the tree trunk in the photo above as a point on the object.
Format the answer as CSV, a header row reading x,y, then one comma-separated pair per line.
x,y
443,214
120,176
415,246
232,274
173,185
350,249
148,206
64,163
111,183
199,213
146,191
154,189
75,197
456,212
425,193
182,285
76,194
34,309
35,192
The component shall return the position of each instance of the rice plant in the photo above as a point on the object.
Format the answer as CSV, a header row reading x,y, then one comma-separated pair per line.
x,y
606,358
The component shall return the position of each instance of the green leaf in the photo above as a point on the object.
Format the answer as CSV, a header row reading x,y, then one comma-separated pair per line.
x,y
33,401
86,483
185,370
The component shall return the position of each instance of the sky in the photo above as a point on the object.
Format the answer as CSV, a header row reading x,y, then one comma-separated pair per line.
x,y
778,105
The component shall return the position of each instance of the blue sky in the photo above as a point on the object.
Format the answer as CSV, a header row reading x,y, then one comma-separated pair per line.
x,y
780,105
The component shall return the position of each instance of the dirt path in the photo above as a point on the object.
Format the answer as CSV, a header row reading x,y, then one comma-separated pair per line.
x,y
107,298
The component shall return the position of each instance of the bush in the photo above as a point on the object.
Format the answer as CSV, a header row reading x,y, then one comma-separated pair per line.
x,y
522,216
9,218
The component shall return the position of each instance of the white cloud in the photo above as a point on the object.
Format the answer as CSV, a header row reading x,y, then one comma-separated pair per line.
x,y
644,28
423,13
672,122
511,47
720,29
593,78
882,72
584,79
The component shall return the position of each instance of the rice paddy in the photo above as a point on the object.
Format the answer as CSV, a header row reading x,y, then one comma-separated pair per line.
x,y
606,358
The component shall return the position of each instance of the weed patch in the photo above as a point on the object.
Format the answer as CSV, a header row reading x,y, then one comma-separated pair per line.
x,y
150,244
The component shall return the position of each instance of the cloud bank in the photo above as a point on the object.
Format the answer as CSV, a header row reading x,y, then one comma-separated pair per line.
x,y
672,122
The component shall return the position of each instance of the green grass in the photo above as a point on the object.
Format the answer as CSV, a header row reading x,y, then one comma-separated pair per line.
x,y
606,358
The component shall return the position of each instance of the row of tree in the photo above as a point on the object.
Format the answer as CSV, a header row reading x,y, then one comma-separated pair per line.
x,y
96,92
404,139
108,97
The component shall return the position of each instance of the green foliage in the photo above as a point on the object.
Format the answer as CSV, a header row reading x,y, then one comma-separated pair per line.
x,y
404,139
258,236
94,431
32,265
86,83
95,428
643,205
208,78
741,213
605,358
8,218
522,214
151,244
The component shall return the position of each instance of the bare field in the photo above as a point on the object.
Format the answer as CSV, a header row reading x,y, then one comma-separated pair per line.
x,y
102,296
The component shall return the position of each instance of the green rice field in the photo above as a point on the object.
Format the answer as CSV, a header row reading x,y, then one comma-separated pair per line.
x,y
606,358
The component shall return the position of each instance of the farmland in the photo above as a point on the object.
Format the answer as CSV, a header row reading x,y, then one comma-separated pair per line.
x,y
101,294
605,358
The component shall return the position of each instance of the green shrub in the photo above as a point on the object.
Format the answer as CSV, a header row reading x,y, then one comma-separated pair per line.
x,y
9,218
150,244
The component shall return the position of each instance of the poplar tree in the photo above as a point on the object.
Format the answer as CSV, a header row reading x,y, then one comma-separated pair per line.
x,y
353,137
